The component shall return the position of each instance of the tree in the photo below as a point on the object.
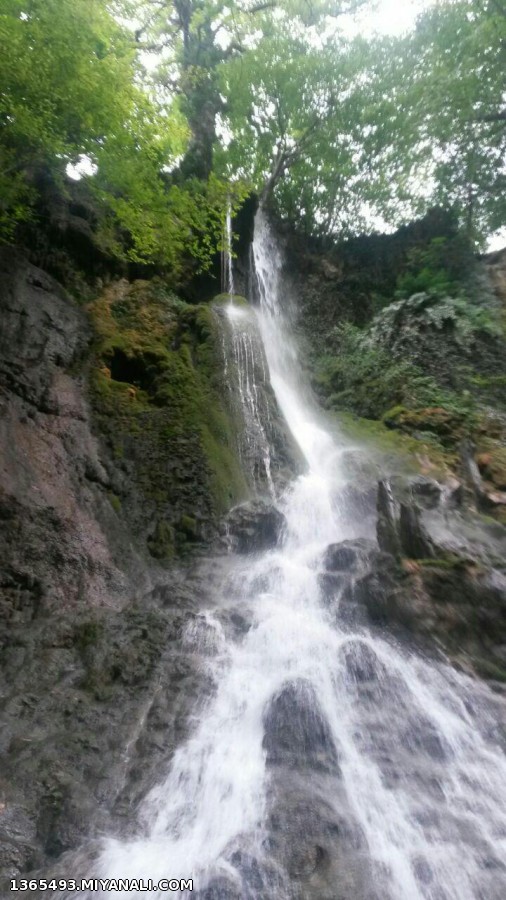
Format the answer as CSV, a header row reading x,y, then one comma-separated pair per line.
x,y
65,76
296,113
441,92
196,38
72,86
343,133
463,46
261,95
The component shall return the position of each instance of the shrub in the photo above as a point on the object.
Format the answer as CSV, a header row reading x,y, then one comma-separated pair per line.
x,y
439,268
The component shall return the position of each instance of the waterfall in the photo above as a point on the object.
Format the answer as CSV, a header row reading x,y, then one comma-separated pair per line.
x,y
227,264
247,377
331,762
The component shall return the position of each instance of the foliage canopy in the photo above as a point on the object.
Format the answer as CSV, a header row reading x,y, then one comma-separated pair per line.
x,y
178,105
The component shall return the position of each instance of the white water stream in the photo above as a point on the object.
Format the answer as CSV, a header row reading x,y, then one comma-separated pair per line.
x,y
247,379
227,266
419,773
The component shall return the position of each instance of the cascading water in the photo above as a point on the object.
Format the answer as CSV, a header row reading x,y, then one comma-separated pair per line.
x,y
247,376
330,763
227,266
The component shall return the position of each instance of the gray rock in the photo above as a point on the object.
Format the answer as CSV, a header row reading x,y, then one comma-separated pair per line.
x,y
296,733
400,530
332,584
91,657
362,663
349,556
387,531
314,838
255,526
414,539
426,491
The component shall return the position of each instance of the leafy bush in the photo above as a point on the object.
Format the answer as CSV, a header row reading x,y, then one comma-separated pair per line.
x,y
439,268
366,378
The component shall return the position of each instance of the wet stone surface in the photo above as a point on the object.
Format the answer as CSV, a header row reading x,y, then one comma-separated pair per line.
x,y
296,734
255,526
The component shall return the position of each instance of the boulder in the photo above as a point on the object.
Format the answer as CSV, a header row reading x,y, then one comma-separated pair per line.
x,y
414,539
386,529
332,584
255,526
426,492
349,556
400,530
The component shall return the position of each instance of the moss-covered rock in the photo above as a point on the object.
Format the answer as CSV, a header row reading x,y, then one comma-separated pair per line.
x,y
492,464
424,581
157,392
162,541
448,426
226,299
398,451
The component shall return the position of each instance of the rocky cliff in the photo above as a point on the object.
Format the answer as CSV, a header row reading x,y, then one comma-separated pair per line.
x,y
405,343
119,460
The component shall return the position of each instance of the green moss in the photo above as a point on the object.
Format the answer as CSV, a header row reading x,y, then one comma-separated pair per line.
x,y
448,563
158,394
227,477
115,502
162,543
439,423
407,453
188,525
225,299
391,417
490,669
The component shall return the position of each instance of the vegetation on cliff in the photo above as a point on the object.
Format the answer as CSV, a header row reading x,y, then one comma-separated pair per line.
x,y
157,389
428,362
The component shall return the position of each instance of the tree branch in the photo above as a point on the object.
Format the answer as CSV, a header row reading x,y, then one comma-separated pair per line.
x,y
492,117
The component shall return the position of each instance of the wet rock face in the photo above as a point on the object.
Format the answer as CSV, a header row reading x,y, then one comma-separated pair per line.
x,y
94,704
312,835
296,733
96,684
386,529
349,556
400,529
42,331
426,492
344,563
63,545
322,850
441,574
362,664
67,568
255,526
414,539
